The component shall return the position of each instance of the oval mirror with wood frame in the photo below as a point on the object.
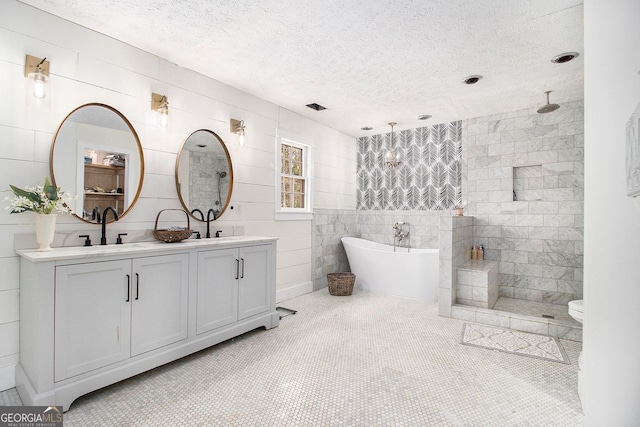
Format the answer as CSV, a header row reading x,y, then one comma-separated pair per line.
x,y
96,154
204,175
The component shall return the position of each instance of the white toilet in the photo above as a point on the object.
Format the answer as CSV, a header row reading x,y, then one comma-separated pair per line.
x,y
576,310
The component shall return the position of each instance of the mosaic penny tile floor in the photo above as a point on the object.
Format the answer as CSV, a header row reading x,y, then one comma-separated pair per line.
x,y
361,360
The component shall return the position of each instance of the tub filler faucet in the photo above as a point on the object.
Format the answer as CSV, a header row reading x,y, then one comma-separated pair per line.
x,y
400,233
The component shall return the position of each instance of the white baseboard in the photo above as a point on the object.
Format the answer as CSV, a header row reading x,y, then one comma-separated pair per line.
x,y
293,291
7,377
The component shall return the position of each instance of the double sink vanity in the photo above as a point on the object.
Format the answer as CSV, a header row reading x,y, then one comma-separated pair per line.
x,y
91,316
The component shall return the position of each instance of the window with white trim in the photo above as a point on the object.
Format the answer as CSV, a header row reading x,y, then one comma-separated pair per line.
x,y
293,178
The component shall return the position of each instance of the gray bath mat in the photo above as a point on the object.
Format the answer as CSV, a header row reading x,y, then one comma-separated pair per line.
x,y
516,342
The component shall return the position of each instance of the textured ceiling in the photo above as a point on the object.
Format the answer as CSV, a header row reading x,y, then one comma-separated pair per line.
x,y
367,61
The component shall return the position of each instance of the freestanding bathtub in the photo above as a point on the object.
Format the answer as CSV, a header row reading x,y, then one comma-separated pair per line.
x,y
379,269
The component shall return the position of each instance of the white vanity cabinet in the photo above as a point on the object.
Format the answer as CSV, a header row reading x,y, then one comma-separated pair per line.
x,y
233,284
90,317
106,312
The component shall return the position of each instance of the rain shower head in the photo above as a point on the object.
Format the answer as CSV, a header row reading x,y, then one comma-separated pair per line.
x,y
549,107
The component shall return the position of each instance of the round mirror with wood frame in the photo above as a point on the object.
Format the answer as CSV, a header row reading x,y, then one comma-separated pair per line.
x,y
96,154
204,175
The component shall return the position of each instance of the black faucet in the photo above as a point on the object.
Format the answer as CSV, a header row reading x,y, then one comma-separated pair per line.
x,y
103,239
95,214
211,211
200,212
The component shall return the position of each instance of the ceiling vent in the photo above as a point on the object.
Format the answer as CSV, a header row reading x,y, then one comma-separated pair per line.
x,y
564,57
316,107
471,80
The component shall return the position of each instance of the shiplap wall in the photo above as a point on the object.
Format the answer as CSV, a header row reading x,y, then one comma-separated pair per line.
x,y
89,67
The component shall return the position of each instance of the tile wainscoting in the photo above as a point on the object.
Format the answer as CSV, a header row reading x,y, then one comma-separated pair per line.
x,y
329,225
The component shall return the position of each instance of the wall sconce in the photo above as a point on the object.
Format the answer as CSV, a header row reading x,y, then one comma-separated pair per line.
x,y
37,71
238,127
160,103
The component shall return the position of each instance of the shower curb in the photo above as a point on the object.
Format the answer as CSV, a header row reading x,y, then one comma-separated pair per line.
x,y
558,328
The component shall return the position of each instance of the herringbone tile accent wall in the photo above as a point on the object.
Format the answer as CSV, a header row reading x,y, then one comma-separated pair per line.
x,y
429,177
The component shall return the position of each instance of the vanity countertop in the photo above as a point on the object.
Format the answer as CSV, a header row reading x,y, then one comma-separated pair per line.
x,y
73,252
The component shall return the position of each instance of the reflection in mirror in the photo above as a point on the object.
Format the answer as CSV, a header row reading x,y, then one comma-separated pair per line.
x,y
97,155
204,176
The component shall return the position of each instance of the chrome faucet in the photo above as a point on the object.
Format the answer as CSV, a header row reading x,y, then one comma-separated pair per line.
x,y
211,211
103,239
400,233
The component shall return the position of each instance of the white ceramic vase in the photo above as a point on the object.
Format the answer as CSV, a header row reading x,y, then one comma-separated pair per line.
x,y
45,230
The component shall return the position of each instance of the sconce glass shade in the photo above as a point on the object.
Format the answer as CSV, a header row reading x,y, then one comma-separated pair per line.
x,y
238,127
36,70
164,116
39,81
160,103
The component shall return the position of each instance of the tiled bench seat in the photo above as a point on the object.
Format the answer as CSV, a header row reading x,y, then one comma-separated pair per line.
x,y
478,283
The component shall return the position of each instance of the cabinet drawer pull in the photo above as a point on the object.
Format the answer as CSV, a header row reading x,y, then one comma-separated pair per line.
x,y
128,288
137,286
237,268
242,275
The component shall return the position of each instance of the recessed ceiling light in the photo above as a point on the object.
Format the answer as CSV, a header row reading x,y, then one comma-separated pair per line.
x,y
470,80
316,107
564,57
366,128
424,116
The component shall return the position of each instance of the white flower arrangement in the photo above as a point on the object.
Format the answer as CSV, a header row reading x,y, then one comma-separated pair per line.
x,y
45,199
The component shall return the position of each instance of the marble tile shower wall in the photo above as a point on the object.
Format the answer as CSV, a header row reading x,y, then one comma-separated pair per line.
x,y
456,237
202,182
538,238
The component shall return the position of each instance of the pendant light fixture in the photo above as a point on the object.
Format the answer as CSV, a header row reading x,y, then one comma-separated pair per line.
x,y
392,160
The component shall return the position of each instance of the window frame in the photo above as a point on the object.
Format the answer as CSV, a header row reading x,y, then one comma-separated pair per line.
x,y
294,214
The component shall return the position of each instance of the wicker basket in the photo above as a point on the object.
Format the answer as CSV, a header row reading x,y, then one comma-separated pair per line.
x,y
171,236
341,284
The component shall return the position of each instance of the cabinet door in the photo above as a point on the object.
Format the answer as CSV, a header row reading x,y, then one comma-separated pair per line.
x,y
159,296
92,316
255,274
217,289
